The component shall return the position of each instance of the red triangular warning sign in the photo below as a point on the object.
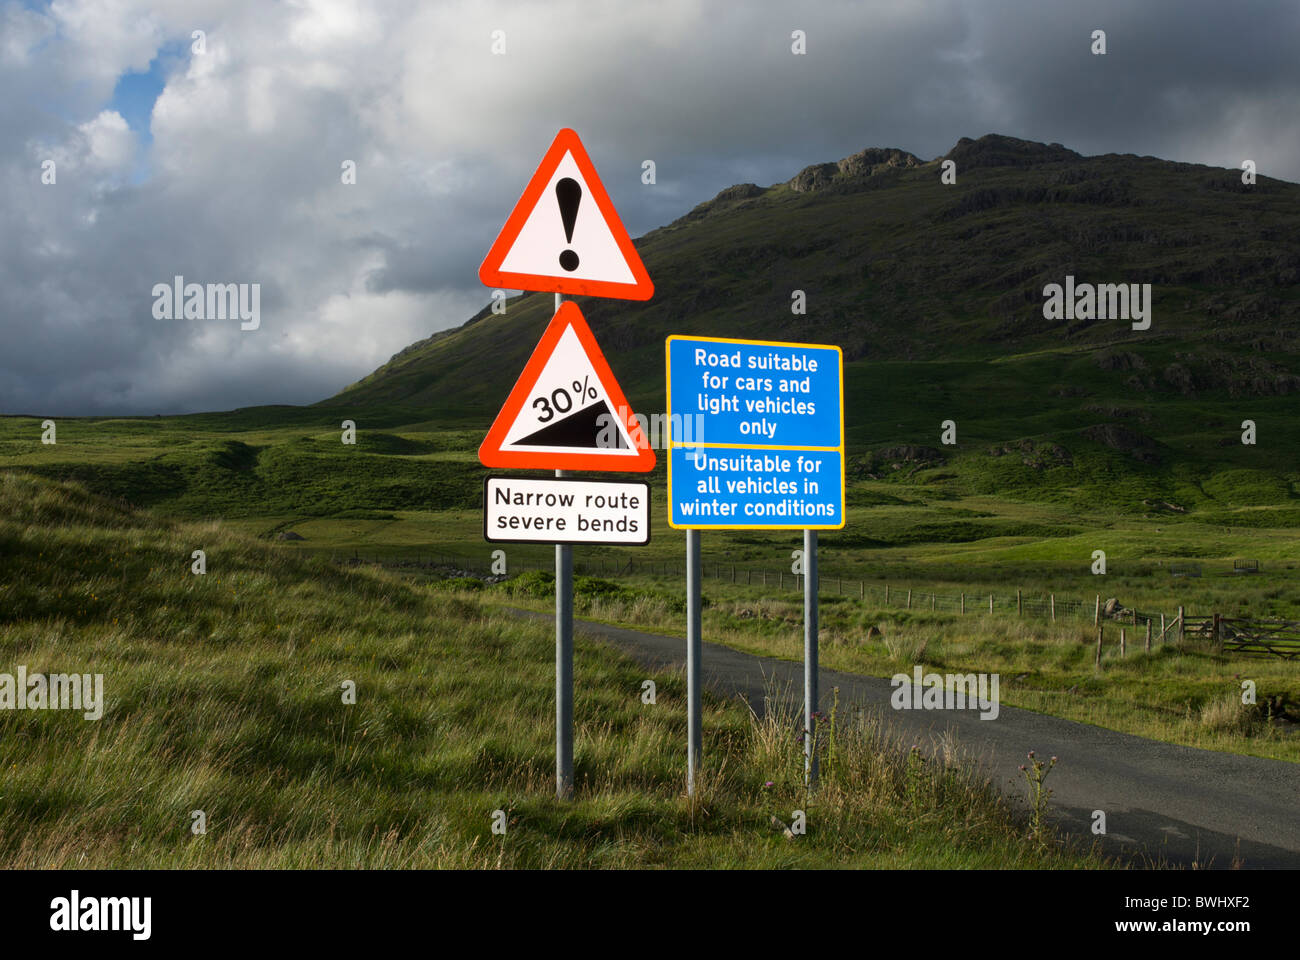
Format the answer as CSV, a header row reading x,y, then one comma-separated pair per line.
x,y
564,234
567,412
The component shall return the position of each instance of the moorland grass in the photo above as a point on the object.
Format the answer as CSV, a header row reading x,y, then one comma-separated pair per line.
x,y
224,695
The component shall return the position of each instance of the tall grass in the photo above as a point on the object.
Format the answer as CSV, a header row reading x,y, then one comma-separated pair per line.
x,y
225,695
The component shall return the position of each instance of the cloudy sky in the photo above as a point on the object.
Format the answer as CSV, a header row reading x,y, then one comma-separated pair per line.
x,y
224,165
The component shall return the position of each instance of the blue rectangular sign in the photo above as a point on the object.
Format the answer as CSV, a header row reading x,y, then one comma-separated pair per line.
x,y
754,393
756,434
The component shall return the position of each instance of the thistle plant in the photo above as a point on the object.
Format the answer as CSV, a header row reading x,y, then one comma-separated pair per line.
x,y
1036,773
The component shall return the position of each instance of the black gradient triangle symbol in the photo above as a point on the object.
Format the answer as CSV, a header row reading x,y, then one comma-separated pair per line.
x,y
582,430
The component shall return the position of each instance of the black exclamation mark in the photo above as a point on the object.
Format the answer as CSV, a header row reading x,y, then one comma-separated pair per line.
x,y
569,194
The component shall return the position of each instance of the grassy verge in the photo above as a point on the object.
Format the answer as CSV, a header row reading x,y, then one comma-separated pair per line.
x,y
224,694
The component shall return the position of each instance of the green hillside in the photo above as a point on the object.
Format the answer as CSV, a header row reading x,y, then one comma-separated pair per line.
x,y
898,266
936,294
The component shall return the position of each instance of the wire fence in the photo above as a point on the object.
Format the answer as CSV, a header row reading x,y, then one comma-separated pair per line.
x,y
1245,635
1048,606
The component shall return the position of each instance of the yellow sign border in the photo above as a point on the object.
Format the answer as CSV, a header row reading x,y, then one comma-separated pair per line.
x,y
668,402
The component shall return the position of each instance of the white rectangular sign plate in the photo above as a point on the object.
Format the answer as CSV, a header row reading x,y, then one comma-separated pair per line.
x,y
560,510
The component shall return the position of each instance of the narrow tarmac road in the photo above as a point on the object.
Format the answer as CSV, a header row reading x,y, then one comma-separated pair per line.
x,y
1180,805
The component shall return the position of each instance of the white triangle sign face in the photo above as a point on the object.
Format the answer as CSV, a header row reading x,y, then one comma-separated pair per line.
x,y
565,392
564,234
543,240
567,411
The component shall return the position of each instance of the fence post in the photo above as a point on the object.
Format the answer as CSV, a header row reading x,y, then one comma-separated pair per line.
x,y
1182,625
1162,628
862,589
1218,633
932,601
886,593
1096,614
990,604
909,598
963,602
1148,643
1123,641
1052,599
1020,608
1100,631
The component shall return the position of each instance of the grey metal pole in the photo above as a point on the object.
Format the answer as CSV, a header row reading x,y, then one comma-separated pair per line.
x,y
563,669
694,724
810,691
563,662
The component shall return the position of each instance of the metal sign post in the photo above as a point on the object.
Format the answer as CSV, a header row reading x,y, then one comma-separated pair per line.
x,y
563,668
563,660
694,723
810,691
